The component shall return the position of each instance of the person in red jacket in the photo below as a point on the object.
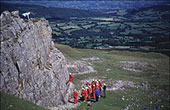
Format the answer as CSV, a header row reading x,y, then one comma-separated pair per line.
x,y
75,95
100,85
93,90
87,84
82,94
92,82
85,94
89,90
95,82
97,86
71,77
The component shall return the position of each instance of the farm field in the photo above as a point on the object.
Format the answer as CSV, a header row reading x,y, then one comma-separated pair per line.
x,y
136,29
142,28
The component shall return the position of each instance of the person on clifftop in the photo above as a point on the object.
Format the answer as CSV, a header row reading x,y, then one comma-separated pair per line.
x,y
71,77
26,15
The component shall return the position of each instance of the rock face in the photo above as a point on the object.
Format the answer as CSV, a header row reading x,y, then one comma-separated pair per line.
x,y
31,67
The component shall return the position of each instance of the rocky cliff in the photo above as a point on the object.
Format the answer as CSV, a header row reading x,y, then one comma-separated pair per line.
x,y
31,67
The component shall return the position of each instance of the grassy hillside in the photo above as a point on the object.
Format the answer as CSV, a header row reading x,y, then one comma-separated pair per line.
x,y
9,102
152,84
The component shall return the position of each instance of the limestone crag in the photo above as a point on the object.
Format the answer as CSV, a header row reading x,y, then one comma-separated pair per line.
x,y
31,67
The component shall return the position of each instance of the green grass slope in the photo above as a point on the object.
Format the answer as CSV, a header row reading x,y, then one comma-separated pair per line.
x,y
137,98
156,95
9,102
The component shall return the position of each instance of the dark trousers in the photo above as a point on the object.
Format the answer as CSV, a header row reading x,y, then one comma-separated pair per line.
x,y
104,93
97,98
82,98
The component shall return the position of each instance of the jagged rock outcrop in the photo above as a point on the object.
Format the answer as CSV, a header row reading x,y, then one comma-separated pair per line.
x,y
31,67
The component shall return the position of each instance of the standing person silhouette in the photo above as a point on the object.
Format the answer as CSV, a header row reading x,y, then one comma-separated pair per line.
x,y
97,93
104,90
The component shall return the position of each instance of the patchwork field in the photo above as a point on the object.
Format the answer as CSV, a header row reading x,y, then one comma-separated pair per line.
x,y
143,28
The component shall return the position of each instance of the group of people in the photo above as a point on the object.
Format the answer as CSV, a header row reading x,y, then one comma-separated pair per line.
x,y
93,90
90,89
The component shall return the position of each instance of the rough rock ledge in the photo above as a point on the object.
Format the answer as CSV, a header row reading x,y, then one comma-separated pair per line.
x,y
31,67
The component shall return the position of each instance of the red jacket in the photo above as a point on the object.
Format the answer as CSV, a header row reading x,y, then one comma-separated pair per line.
x,y
100,84
85,92
89,90
97,86
88,84
92,83
95,82
71,76
75,94
82,93
93,89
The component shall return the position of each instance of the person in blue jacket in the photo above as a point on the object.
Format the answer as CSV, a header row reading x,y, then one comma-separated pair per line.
x,y
97,93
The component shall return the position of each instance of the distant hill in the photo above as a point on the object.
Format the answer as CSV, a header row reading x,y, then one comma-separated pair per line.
x,y
91,5
154,8
49,12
